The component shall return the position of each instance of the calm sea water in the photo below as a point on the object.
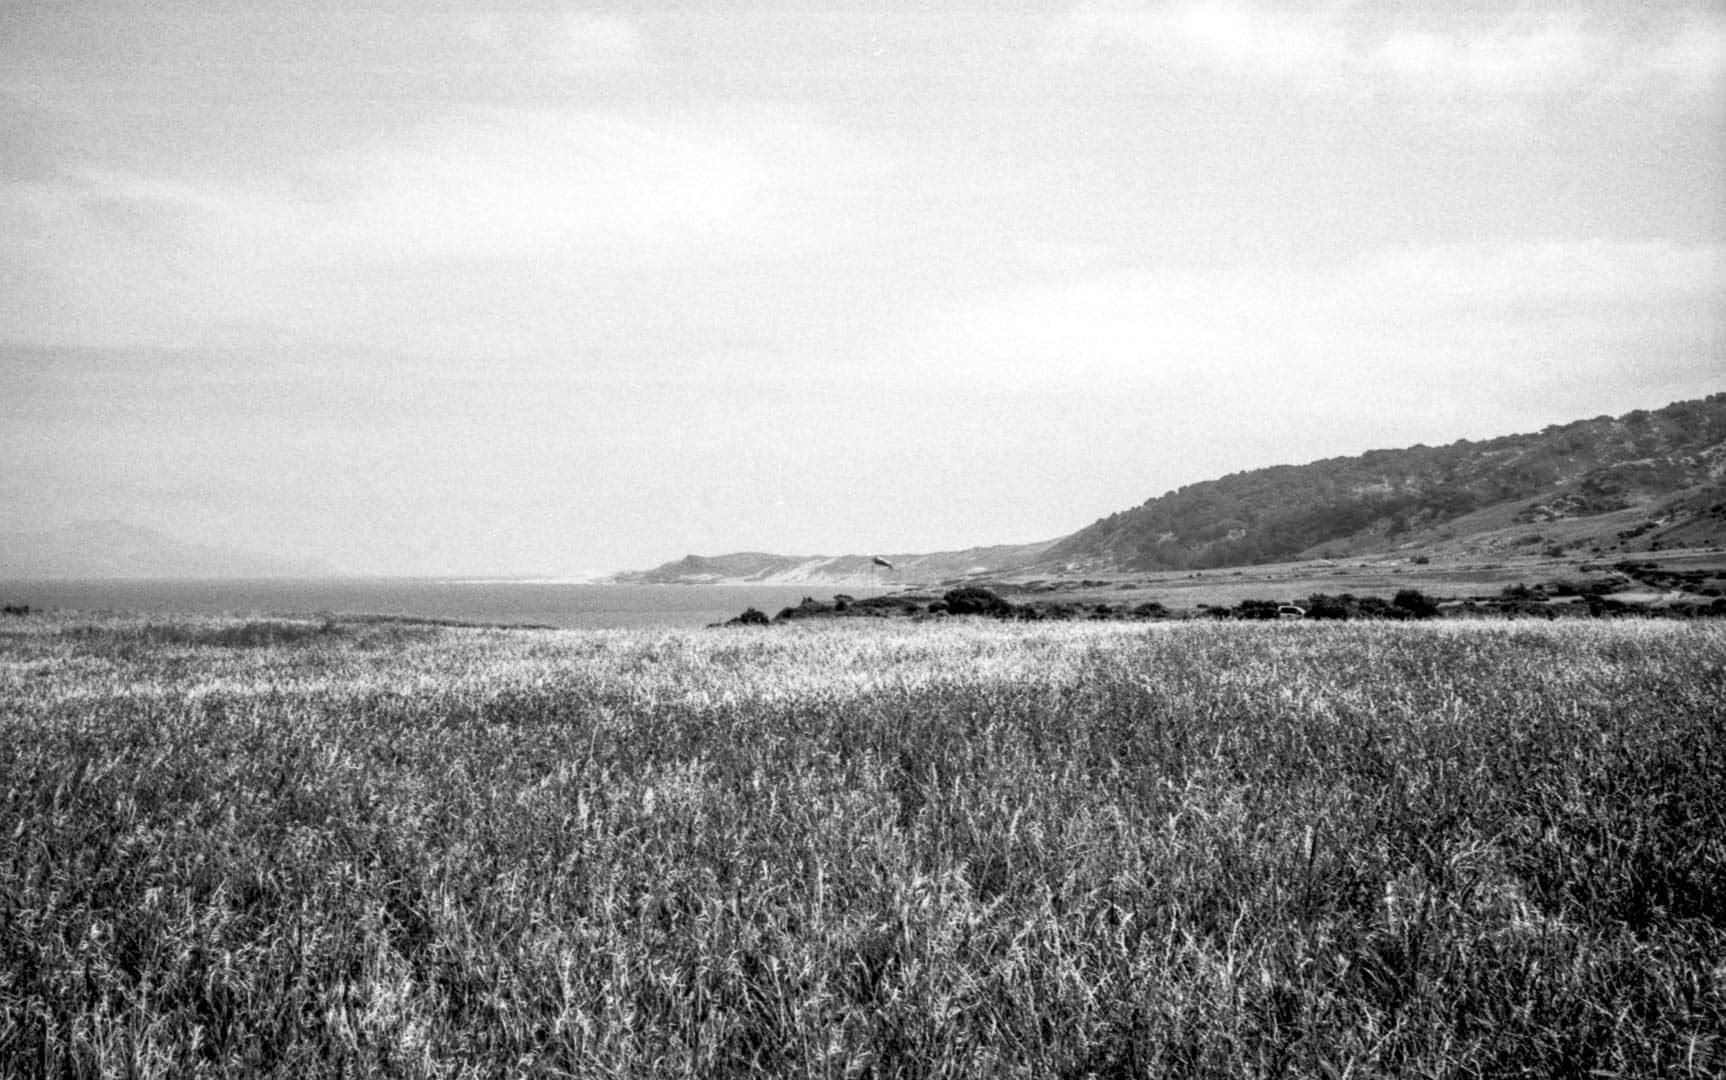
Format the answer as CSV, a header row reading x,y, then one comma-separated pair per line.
x,y
564,605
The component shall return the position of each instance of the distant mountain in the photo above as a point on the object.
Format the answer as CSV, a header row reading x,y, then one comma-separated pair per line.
x,y
1640,482
114,549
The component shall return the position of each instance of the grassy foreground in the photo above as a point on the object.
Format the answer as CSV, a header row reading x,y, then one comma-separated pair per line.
x,y
292,849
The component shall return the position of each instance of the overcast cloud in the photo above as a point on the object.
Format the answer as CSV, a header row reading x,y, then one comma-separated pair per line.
x,y
545,288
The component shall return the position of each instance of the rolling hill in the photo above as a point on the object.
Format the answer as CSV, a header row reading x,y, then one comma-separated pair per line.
x,y
1645,481
759,568
1661,472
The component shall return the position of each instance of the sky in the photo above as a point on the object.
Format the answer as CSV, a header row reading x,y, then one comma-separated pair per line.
x,y
558,288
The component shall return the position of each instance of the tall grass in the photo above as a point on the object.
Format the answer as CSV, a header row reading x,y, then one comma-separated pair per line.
x,y
893,850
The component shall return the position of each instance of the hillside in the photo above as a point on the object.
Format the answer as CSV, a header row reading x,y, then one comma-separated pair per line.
x,y
114,549
1645,481
759,568
1658,476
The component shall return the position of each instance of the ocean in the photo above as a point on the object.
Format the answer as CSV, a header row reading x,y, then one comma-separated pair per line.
x,y
488,601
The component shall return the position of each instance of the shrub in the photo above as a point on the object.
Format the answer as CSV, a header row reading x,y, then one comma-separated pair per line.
x,y
976,600
1335,608
1417,604
1256,609
907,604
1377,607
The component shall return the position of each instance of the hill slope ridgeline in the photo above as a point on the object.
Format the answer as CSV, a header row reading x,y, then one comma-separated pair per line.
x,y
1632,483
1671,460
759,568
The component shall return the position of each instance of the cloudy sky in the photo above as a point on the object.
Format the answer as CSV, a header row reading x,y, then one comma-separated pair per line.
x,y
546,288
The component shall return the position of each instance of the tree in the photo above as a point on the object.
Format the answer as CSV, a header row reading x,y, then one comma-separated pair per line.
x,y
1416,603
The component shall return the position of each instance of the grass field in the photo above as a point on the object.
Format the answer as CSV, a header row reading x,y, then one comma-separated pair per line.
x,y
327,848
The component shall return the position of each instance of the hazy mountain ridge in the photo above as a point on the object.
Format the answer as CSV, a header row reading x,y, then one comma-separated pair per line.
x,y
1632,483
115,549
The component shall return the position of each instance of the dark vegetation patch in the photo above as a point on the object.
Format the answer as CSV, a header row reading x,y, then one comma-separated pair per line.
x,y
250,634
133,638
1580,597
750,617
976,600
